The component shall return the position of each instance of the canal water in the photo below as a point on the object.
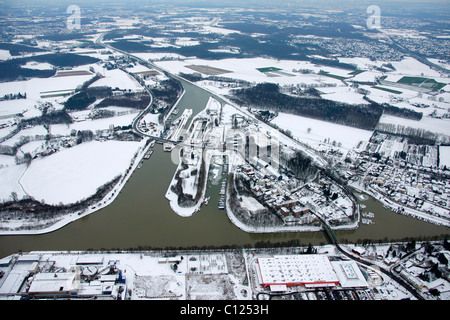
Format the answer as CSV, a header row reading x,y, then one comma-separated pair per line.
x,y
141,217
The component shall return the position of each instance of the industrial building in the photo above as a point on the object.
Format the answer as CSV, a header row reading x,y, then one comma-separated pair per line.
x,y
277,273
61,284
349,274
309,270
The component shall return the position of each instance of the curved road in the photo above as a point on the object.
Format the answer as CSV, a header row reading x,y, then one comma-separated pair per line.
x,y
136,121
391,274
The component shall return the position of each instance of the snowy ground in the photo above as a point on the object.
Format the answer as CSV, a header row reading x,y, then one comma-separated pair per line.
x,y
444,156
331,88
321,131
116,78
76,173
246,69
37,88
70,175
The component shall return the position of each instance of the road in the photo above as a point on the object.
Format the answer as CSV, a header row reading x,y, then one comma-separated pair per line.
x,y
358,259
135,123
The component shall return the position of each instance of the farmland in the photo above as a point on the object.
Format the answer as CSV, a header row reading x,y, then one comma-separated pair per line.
x,y
422,82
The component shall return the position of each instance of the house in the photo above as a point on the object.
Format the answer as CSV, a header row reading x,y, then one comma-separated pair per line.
x,y
285,211
298,210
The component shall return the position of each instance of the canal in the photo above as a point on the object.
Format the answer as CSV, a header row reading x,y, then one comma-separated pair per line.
x,y
140,217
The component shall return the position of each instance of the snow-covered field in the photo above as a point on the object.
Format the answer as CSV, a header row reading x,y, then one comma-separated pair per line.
x,y
116,78
246,69
35,88
37,130
38,66
93,125
444,156
158,56
413,67
343,94
440,126
76,173
320,131
13,107
5,55
9,176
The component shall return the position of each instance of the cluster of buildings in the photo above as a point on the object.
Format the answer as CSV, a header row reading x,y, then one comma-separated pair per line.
x,y
392,147
401,176
354,48
274,193
300,204
31,276
427,270
290,273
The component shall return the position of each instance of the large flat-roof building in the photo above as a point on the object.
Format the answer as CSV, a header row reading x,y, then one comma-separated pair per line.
x,y
55,284
349,274
309,270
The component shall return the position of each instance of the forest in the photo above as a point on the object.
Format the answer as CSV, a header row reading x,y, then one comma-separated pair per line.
x,y
12,69
85,97
16,49
137,100
165,96
300,165
267,96
55,117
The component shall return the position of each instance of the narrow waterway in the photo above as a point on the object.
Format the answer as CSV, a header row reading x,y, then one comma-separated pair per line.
x,y
140,217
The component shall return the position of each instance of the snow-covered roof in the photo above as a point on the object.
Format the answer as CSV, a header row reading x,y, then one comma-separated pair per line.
x,y
90,260
296,270
349,274
53,282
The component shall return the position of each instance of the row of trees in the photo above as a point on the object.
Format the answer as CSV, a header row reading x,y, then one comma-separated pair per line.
x,y
86,96
54,117
415,135
14,96
30,208
268,96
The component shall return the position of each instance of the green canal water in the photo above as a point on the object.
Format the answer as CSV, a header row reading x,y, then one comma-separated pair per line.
x,y
141,217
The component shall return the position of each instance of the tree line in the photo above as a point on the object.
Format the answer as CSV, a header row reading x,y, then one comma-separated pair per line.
x,y
85,97
11,96
31,208
13,69
268,96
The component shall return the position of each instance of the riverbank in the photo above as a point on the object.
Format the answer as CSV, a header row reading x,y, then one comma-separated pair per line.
x,y
46,226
